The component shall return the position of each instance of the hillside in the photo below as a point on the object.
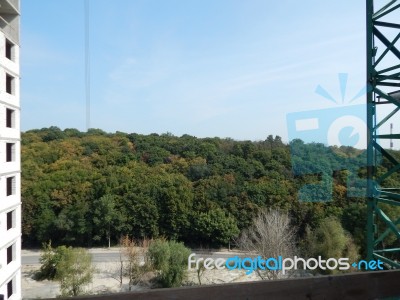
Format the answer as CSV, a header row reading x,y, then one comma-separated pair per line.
x,y
83,188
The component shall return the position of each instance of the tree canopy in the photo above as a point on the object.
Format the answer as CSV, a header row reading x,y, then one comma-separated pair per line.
x,y
86,189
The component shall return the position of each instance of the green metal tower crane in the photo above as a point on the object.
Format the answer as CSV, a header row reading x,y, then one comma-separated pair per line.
x,y
383,103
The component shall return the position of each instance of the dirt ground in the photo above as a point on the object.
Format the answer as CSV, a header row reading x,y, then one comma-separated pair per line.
x,y
104,280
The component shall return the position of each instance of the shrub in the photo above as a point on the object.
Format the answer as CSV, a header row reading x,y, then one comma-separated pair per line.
x,y
50,260
71,266
169,258
74,271
329,240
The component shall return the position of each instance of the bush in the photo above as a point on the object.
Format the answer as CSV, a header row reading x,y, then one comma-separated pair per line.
x,y
71,266
329,240
74,271
50,260
169,258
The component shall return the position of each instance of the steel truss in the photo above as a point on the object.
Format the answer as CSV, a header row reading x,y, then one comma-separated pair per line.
x,y
383,103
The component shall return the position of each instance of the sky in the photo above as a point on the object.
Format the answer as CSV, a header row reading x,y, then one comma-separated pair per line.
x,y
226,68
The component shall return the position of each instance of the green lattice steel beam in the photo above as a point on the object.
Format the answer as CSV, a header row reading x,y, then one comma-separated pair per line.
x,y
382,78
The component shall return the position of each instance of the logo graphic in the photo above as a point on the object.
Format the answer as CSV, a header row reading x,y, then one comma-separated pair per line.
x,y
320,141
280,264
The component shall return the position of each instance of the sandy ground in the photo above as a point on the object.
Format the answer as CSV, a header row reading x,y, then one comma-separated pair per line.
x,y
104,280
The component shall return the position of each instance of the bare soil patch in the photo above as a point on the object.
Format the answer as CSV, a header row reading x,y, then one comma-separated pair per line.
x,y
105,280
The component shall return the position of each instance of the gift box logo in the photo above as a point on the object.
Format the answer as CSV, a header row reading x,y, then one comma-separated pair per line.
x,y
318,140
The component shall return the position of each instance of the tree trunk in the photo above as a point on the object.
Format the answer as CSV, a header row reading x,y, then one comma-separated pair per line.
x,y
109,236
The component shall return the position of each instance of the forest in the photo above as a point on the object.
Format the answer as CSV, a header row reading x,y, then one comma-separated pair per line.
x,y
91,188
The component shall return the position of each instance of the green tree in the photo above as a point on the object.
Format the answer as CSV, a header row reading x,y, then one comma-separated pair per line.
x,y
329,240
169,258
49,259
215,227
174,197
71,266
105,217
74,271
142,215
353,220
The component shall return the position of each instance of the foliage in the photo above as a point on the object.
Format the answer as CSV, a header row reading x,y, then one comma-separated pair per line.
x,y
169,258
215,226
71,266
105,217
353,221
74,271
90,188
50,259
329,240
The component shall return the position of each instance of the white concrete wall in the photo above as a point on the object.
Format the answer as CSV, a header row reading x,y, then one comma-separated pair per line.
x,y
12,203
11,65
13,98
11,166
7,202
5,132
16,284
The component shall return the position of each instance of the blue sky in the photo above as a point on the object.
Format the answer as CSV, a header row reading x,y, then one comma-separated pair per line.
x,y
206,68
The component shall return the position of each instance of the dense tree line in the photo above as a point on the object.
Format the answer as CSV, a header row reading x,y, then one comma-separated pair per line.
x,y
91,188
